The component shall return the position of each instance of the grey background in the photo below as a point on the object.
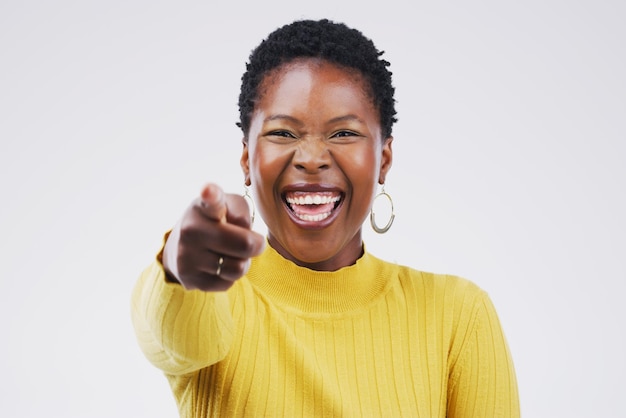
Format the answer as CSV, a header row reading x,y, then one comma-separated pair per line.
x,y
509,170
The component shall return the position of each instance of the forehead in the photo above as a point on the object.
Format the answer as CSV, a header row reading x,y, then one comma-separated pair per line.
x,y
306,77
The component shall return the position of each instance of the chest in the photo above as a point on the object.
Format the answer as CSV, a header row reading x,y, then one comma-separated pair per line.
x,y
387,360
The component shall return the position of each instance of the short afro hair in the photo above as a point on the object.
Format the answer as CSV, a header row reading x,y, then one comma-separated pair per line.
x,y
330,41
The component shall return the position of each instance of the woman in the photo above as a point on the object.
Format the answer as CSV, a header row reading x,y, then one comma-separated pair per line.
x,y
307,322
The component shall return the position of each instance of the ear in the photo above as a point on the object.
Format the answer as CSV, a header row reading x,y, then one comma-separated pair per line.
x,y
245,162
386,160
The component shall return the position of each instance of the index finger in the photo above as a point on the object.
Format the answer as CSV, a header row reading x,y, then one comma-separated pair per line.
x,y
213,202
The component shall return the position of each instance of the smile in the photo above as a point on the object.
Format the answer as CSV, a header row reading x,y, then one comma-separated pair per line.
x,y
312,206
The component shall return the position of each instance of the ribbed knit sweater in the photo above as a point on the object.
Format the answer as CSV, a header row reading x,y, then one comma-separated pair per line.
x,y
373,339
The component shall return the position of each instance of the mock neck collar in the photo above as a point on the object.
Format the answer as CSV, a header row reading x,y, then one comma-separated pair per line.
x,y
302,290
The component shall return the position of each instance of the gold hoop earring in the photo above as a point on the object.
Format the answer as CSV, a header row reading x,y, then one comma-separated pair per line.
x,y
385,228
246,195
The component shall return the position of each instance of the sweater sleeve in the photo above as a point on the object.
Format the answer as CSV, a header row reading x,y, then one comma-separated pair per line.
x,y
482,381
178,330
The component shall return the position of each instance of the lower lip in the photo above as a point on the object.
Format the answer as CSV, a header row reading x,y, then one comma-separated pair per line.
x,y
314,225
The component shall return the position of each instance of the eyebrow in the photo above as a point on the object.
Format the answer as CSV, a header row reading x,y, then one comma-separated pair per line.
x,y
282,117
349,117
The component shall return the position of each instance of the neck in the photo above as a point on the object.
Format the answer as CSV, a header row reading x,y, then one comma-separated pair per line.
x,y
346,256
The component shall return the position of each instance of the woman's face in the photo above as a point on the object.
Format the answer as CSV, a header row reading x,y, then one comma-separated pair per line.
x,y
313,157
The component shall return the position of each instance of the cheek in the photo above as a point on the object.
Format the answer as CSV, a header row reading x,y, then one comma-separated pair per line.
x,y
266,165
263,162
361,166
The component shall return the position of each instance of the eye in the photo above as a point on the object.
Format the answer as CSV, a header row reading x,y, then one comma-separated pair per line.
x,y
281,133
344,134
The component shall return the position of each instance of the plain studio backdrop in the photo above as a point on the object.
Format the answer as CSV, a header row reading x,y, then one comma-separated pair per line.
x,y
508,170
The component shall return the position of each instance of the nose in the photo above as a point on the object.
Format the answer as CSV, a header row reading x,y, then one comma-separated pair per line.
x,y
312,155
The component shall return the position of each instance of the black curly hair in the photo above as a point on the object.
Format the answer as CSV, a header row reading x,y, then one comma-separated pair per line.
x,y
328,40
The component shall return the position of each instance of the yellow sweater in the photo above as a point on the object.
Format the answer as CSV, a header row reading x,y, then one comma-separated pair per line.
x,y
371,340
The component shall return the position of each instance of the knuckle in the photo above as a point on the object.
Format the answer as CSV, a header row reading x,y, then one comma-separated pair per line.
x,y
247,244
234,271
189,232
193,226
240,268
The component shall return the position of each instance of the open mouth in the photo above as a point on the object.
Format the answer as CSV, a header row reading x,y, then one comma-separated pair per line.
x,y
312,206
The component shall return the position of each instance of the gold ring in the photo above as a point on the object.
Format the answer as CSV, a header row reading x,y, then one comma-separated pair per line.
x,y
220,262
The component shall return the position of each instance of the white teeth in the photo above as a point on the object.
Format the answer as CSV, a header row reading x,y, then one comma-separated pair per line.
x,y
309,199
312,199
313,218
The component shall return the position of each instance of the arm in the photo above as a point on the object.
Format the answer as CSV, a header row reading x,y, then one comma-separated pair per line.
x,y
179,330
180,307
482,380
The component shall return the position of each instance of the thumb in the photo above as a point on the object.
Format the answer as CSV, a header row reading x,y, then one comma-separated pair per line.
x,y
213,202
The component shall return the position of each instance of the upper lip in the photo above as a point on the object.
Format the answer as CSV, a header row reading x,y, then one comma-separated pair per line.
x,y
311,188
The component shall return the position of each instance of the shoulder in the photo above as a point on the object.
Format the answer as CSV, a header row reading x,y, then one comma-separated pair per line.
x,y
439,280
442,287
455,303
